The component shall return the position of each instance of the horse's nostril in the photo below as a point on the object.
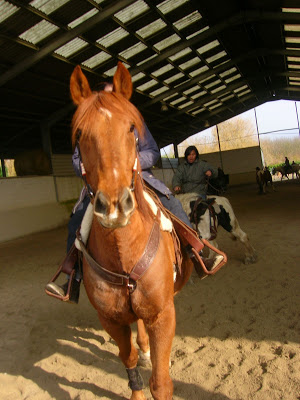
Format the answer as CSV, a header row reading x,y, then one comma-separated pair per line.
x,y
126,201
101,203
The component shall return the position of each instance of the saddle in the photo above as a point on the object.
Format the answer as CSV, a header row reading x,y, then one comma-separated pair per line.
x,y
190,240
182,235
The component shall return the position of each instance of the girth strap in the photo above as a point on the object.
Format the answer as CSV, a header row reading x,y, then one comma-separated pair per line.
x,y
149,253
140,267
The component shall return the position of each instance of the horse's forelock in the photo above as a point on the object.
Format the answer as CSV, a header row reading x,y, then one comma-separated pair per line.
x,y
86,114
118,105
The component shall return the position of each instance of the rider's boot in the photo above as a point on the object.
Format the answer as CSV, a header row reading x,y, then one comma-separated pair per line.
x,y
62,290
69,266
209,263
212,263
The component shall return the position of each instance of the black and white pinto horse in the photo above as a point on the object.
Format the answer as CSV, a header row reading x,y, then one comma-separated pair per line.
x,y
263,177
207,215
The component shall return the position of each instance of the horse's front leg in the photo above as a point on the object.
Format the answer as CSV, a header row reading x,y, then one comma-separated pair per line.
x,y
238,233
128,354
143,343
161,333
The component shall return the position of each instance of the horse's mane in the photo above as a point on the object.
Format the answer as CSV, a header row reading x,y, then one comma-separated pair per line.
x,y
87,112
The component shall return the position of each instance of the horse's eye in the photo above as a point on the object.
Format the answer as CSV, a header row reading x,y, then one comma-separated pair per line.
x,y
132,128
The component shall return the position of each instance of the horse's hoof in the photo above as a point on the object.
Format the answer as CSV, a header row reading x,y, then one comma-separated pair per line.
x,y
138,395
251,259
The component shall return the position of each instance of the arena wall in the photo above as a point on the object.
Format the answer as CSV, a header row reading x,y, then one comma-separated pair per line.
x,y
33,203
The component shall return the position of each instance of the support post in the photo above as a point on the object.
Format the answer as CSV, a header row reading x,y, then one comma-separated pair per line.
x,y
261,153
220,151
3,168
175,150
46,140
297,117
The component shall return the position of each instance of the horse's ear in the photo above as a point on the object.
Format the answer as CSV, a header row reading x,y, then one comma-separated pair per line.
x,y
79,86
122,81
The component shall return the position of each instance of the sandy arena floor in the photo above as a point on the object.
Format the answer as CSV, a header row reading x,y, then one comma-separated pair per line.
x,y
237,334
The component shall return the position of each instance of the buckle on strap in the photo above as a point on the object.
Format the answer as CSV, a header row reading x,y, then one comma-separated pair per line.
x,y
131,284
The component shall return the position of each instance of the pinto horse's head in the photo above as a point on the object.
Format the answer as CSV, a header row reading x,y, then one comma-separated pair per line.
x,y
104,126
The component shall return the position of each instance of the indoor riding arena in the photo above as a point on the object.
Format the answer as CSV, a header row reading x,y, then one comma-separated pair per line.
x,y
194,68
237,333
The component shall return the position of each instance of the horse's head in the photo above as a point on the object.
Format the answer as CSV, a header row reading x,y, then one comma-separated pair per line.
x,y
103,127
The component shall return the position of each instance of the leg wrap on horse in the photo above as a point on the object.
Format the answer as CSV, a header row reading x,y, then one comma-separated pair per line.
x,y
135,379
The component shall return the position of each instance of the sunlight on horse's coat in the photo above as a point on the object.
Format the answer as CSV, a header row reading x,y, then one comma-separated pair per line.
x,y
165,223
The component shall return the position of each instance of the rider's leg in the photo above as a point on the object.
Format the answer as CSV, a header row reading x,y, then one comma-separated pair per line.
x,y
73,225
174,205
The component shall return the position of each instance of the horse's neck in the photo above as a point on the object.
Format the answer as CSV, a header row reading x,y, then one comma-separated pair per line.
x,y
119,249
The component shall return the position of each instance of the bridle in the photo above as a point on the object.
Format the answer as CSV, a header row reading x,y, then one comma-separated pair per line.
x,y
150,250
89,189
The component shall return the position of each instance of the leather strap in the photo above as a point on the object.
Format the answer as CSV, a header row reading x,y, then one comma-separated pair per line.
x,y
70,260
212,214
111,277
194,212
186,234
149,253
140,267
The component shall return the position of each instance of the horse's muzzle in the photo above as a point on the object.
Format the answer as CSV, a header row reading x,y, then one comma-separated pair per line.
x,y
114,213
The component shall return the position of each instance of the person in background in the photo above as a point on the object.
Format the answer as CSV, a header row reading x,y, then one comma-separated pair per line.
x,y
192,175
287,166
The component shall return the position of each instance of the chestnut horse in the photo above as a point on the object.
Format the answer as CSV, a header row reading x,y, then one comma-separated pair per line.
x,y
103,128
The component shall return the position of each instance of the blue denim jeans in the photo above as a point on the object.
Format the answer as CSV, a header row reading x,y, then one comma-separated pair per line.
x,y
75,221
172,204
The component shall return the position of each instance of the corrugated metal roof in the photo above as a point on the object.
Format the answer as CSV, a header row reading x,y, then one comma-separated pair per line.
x,y
202,63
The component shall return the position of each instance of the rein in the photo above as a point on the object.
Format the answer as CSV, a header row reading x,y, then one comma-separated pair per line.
x,y
128,279
83,171
219,191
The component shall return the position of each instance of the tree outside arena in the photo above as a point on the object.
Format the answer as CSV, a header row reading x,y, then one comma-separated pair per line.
x,y
244,131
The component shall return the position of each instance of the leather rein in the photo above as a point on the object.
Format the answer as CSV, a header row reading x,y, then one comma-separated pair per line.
x,y
127,279
124,279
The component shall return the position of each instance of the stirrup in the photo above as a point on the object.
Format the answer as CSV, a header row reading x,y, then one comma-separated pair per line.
x,y
70,282
200,262
67,266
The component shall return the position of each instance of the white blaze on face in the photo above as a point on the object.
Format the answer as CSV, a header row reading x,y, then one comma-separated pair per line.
x,y
115,173
106,112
